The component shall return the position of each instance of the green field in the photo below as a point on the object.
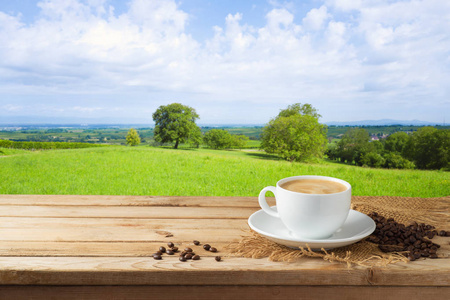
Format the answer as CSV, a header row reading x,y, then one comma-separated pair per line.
x,y
144,170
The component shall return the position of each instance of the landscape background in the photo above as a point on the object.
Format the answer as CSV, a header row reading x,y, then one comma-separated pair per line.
x,y
79,74
153,169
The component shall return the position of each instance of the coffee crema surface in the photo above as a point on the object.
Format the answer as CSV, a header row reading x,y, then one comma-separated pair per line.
x,y
314,186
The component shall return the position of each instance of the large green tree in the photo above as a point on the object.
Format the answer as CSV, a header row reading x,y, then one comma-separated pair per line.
x,y
175,123
295,134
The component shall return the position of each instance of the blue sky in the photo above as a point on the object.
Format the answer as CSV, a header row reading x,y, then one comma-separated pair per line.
x,y
235,62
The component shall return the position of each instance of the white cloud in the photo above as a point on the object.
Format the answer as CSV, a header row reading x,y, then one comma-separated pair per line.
x,y
341,54
316,17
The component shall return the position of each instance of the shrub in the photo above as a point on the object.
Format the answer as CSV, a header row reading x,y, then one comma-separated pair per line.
x,y
372,159
396,161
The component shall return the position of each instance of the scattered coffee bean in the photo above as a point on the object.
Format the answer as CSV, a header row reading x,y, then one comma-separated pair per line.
x,y
442,233
188,253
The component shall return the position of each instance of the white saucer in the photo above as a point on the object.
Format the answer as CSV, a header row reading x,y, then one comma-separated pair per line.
x,y
356,227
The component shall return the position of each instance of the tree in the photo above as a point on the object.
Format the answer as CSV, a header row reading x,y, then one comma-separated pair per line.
x,y
372,159
222,139
396,142
396,161
175,123
195,137
217,139
429,148
295,134
133,138
353,145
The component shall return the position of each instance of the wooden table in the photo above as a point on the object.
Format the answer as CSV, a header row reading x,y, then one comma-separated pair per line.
x,y
99,247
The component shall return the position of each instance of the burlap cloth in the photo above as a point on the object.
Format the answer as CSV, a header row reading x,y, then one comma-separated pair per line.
x,y
432,211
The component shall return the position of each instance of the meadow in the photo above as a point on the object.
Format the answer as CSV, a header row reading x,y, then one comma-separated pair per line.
x,y
144,170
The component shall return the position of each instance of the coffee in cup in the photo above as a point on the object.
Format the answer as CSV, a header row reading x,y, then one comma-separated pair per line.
x,y
311,207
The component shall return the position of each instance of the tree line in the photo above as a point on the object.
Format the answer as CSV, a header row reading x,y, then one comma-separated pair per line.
x,y
45,145
426,148
295,134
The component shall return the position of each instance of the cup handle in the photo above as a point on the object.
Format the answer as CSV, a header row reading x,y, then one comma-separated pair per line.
x,y
263,202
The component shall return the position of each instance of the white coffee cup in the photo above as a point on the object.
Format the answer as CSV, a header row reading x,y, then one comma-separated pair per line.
x,y
309,216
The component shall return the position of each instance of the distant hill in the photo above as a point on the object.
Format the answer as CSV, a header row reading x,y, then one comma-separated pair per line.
x,y
83,122
382,122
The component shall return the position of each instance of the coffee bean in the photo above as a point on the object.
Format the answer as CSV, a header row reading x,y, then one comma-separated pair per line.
x,y
196,242
218,258
188,256
170,252
162,249
196,257
175,249
206,246
212,249
395,237
434,255
187,249
182,258
157,257
158,252
170,244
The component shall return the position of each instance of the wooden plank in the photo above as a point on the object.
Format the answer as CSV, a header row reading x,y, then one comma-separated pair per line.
x,y
112,200
102,249
43,223
124,235
222,292
155,212
230,271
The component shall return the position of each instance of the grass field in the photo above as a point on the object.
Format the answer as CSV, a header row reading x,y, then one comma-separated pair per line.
x,y
144,170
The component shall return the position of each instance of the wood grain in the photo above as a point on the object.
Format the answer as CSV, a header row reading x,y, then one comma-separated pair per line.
x,y
221,292
232,270
106,240
107,200
130,212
